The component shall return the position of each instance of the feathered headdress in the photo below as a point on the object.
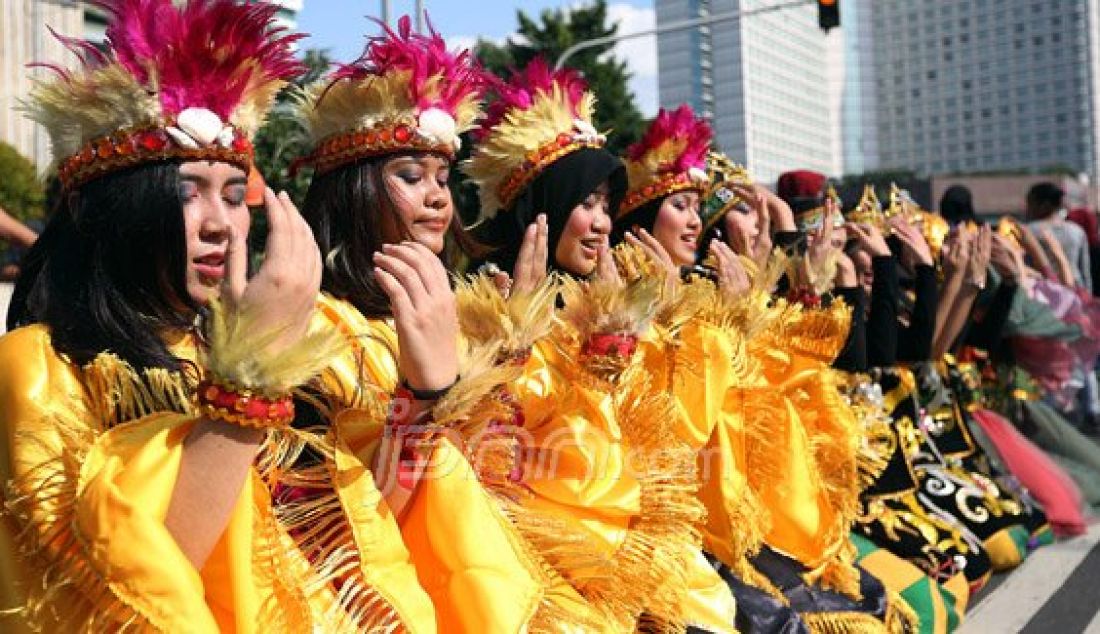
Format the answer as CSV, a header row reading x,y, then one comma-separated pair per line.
x,y
536,118
932,226
720,196
670,157
406,92
190,82
868,210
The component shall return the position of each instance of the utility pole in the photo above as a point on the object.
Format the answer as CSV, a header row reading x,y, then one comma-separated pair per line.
x,y
419,16
386,12
675,26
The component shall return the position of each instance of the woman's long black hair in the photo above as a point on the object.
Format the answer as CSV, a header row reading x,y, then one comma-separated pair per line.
x,y
556,192
108,272
351,213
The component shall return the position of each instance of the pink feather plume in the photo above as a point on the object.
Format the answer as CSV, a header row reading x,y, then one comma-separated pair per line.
x,y
455,75
676,124
207,54
519,92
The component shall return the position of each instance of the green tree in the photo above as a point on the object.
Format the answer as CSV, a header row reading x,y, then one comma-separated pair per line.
x,y
282,140
21,192
607,76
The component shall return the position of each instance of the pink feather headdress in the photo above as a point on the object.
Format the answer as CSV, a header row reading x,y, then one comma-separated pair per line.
x,y
671,157
406,92
536,118
192,82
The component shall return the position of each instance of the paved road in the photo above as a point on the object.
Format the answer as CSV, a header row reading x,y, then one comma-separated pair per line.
x,y
5,297
1056,591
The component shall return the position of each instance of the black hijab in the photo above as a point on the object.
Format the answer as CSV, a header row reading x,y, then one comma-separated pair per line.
x,y
556,191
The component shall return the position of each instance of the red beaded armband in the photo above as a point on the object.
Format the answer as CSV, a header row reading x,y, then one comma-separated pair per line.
x,y
619,345
243,406
804,296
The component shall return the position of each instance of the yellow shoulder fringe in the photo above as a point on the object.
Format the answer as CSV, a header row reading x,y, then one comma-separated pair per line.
x,y
72,593
478,408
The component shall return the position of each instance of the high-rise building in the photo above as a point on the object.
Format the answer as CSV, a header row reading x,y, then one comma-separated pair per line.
x,y
771,82
932,87
983,85
24,39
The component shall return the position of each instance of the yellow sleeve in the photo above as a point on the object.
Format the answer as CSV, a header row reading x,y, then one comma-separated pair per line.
x,y
87,505
480,574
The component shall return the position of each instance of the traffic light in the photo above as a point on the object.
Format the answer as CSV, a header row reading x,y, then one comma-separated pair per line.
x,y
828,14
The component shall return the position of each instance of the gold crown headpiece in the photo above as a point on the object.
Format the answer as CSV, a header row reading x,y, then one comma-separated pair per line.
x,y
720,196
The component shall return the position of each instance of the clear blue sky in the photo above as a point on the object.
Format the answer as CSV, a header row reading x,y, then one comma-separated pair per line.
x,y
342,26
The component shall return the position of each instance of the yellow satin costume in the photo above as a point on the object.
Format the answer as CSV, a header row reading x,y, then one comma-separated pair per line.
x,y
607,488
90,456
479,571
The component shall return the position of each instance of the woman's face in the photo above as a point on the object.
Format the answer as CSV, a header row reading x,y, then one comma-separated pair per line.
x,y
678,225
585,233
213,206
418,187
742,228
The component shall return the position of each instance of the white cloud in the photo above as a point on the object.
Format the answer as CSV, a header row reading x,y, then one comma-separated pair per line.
x,y
640,54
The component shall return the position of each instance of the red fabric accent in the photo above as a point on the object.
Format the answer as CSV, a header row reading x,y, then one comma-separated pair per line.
x,y
800,184
1086,219
610,344
1055,490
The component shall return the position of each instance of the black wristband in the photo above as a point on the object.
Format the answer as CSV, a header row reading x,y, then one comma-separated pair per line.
x,y
428,395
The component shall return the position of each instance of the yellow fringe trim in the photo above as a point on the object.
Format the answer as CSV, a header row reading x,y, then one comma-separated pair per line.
x,y
116,393
319,530
816,333
900,616
68,594
843,623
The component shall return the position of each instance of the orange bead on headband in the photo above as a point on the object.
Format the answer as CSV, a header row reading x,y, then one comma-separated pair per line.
x,y
190,82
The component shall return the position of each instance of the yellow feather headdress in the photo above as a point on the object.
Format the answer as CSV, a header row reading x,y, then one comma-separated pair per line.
x,y
190,82
670,157
538,117
407,92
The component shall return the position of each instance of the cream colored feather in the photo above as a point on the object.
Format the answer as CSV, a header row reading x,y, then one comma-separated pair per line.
x,y
89,106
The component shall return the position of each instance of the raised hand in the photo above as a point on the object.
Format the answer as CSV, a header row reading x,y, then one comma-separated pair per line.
x,y
732,278
530,269
978,263
913,240
283,292
869,238
656,252
424,314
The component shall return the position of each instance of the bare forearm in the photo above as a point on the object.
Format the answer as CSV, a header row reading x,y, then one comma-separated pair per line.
x,y
952,313
16,232
216,459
